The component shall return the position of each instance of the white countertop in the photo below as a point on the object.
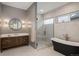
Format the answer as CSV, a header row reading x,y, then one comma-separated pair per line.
x,y
13,35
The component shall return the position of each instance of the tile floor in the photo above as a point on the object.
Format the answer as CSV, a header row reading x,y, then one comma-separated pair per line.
x,y
30,51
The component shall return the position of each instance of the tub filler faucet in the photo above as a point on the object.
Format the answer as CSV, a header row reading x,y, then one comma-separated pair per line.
x,y
66,36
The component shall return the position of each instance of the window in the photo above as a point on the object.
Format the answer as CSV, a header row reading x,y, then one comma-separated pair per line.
x,y
65,18
74,16
48,21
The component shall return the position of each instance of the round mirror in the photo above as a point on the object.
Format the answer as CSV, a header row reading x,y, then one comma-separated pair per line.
x,y
15,24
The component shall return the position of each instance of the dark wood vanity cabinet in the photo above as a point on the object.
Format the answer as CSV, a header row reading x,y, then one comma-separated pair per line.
x,y
0,44
10,42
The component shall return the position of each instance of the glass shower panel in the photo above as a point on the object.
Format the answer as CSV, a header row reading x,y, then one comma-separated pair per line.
x,y
44,31
48,25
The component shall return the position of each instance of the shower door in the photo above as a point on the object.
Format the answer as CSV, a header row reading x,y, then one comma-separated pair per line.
x,y
44,32
48,30
40,31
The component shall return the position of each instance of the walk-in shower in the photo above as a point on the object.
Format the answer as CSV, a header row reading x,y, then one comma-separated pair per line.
x,y
44,31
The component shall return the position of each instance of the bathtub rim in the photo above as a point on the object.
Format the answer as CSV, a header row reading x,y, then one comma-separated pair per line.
x,y
65,42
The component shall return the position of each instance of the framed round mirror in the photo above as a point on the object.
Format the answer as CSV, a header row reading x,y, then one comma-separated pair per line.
x,y
15,24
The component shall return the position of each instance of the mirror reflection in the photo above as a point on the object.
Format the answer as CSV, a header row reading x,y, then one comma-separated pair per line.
x,y
15,24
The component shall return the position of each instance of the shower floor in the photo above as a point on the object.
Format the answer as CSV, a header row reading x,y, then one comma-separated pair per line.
x,y
44,44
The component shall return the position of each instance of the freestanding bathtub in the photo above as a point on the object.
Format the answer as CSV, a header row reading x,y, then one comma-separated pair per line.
x,y
67,48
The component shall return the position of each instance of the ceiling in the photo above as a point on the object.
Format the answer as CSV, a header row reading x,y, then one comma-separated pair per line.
x,y
44,7
21,5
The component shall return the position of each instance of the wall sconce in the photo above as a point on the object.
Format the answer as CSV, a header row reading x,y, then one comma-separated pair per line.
x,y
26,24
23,22
6,21
0,21
23,26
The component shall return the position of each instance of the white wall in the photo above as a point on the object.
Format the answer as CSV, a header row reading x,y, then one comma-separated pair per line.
x,y
70,28
70,7
7,14
31,15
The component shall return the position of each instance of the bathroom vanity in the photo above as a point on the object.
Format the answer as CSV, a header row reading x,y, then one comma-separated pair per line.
x,y
13,40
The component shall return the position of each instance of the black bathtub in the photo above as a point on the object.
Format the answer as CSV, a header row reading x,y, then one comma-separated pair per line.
x,y
67,48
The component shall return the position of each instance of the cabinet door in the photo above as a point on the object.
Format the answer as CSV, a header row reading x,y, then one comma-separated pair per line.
x,y
27,40
18,41
22,40
8,42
